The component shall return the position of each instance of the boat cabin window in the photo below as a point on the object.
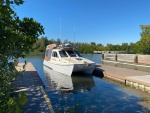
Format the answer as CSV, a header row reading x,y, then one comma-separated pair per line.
x,y
54,54
63,54
48,53
71,53
78,53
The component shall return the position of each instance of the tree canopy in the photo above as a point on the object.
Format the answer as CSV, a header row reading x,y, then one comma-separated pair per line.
x,y
144,43
16,39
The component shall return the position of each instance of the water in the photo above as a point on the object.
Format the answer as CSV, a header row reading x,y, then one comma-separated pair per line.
x,y
94,57
84,93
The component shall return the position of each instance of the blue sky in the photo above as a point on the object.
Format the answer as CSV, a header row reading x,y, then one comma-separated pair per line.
x,y
100,21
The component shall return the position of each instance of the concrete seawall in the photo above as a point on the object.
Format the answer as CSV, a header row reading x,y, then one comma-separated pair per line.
x,y
130,69
130,58
130,61
130,77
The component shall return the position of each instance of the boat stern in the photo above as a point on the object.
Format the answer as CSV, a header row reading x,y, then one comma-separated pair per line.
x,y
86,68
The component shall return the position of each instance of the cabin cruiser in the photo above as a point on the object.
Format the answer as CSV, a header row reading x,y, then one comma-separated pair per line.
x,y
66,60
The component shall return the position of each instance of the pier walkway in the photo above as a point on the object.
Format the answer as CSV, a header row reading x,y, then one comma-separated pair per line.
x,y
133,78
31,84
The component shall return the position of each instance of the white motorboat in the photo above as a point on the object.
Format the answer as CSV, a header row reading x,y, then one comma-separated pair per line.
x,y
66,60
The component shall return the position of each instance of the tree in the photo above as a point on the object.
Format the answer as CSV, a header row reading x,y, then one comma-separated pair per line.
x,y
65,41
124,47
132,48
100,44
40,44
110,47
51,41
58,42
16,39
93,43
145,39
45,41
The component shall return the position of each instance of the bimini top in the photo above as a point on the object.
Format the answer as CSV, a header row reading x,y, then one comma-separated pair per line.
x,y
51,46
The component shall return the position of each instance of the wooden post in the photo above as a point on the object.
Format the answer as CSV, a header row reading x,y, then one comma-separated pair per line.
x,y
136,59
116,57
102,56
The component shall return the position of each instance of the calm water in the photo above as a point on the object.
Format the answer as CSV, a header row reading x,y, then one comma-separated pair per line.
x,y
86,93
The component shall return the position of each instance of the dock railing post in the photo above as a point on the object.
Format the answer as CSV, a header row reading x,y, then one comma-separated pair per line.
x,y
115,57
102,56
136,59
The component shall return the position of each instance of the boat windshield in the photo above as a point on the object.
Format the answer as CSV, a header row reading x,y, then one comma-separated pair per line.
x,y
71,53
63,54
78,53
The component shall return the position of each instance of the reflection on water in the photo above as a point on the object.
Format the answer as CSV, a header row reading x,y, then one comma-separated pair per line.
x,y
57,80
82,82
145,101
69,84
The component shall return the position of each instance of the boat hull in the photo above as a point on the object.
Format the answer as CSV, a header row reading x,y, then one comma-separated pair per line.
x,y
65,69
68,69
86,68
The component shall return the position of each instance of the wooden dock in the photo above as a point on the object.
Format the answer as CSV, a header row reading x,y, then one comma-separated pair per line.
x,y
133,78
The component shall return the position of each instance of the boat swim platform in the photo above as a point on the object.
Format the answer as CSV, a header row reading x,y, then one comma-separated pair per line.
x,y
29,82
134,78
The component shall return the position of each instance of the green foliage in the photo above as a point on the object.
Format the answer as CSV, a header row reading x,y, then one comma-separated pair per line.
x,y
52,41
145,40
143,45
8,2
93,43
17,36
123,47
133,48
16,39
58,41
40,44
10,103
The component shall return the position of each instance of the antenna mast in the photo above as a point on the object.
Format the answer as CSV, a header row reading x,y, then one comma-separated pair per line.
x,y
60,28
74,37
